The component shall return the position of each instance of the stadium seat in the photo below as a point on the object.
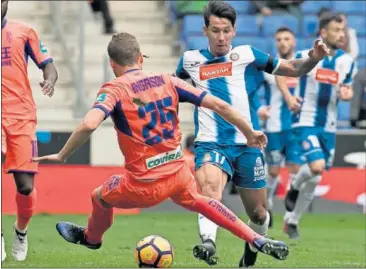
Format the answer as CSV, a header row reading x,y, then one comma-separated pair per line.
x,y
196,42
312,7
358,23
247,25
303,43
361,62
344,112
272,23
310,25
240,6
260,43
192,25
349,7
362,46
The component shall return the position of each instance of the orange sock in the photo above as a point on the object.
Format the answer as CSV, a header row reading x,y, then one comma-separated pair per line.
x,y
99,222
25,207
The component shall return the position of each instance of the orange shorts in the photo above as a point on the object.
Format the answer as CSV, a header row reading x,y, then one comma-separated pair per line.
x,y
123,191
19,144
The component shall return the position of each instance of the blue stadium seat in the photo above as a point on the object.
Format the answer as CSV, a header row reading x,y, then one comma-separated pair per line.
x,y
192,25
240,6
260,43
344,112
196,42
247,25
310,25
362,46
272,23
349,7
303,43
358,23
312,7
361,62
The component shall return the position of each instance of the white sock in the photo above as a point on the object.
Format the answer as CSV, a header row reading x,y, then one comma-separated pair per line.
x,y
208,229
302,176
272,184
306,196
260,229
21,231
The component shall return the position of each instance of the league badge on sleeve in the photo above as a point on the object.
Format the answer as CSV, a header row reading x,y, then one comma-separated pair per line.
x,y
42,47
101,97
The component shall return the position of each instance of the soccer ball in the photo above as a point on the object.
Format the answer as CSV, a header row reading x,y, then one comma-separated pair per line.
x,y
154,251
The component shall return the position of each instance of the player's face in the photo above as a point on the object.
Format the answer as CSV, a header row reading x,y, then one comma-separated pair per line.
x,y
4,8
334,34
220,33
285,42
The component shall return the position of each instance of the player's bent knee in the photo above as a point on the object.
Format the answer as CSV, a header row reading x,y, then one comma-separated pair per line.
x,y
209,191
315,180
274,171
317,167
258,215
293,168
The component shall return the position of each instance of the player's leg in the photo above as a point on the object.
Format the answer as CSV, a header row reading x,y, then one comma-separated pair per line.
x,y
273,156
21,147
188,197
212,173
250,180
3,252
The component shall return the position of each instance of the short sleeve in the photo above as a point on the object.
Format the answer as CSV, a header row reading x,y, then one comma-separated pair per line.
x,y
35,49
263,61
107,98
180,72
187,93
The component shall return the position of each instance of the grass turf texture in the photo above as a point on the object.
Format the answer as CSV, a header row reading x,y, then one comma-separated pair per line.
x,y
327,240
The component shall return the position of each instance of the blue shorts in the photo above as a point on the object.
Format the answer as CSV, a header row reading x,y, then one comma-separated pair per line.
x,y
281,147
244,165
315,144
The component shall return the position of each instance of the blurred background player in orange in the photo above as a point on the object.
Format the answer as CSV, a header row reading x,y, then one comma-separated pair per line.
x,y
18,116
144,109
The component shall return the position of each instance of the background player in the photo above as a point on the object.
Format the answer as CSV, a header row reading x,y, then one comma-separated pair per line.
x,y
155,167
18,116
315,125
231,74
278,126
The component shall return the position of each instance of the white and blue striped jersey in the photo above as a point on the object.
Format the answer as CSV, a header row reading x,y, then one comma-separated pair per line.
x,y
319,90
280,115
233,78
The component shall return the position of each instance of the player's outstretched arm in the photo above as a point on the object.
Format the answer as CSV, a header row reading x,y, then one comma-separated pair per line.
x,y
81,134
50,76
299,67
255,138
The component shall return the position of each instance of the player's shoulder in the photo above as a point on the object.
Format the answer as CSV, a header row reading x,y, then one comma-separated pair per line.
x,y
246,53
19,25
193,54
344,57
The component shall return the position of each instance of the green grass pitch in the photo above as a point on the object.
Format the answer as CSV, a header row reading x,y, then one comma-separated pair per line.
x,y
327,240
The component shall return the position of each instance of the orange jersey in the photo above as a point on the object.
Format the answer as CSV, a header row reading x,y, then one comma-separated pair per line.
x,y
144,109
19,42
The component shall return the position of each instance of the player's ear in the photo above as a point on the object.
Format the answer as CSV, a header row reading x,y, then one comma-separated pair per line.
x,y
323,33
141,58
112,63
234,34
205,29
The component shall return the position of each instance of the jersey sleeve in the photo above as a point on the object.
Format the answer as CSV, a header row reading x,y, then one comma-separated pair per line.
x,y
180,72
35,49
187,93
264,62
350,74
107,98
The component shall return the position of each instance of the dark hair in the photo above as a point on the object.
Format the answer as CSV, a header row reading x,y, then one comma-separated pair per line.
x,y
219,9
124,49
285,29
322,11
328,18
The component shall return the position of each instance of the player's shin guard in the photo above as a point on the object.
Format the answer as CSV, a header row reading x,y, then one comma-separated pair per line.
x,y
25,208
261,229
224,217
208,229
303,202
272,184
99,221
302,176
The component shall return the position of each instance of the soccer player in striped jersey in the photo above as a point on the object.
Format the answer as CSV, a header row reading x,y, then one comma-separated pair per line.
x,y
277,125
221,151
315,125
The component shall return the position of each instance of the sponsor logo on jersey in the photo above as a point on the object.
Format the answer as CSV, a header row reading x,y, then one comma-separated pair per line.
x,y
326,76
216,70
164,158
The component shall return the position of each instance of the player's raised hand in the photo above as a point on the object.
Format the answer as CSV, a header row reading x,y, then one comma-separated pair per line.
x,y
319,50
345,92
51,158
257,139
47,87
263,112
294,103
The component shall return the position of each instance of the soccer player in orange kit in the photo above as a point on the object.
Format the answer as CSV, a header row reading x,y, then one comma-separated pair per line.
x,y
18,117
144,107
